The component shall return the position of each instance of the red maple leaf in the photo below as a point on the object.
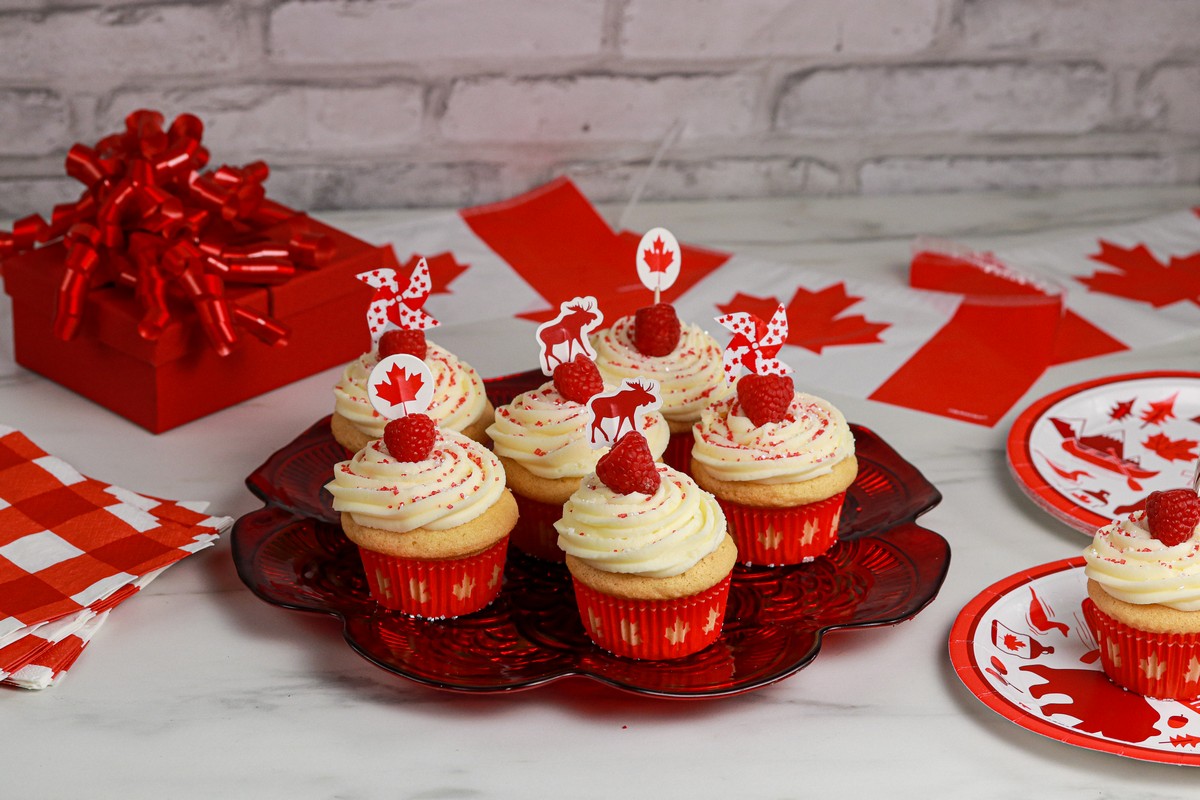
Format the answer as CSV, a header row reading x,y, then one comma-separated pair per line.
x,y
813,317
443,269
1121,411
1185,740
1012,643
1159,412
1171,449
1142,277
658,259
400,386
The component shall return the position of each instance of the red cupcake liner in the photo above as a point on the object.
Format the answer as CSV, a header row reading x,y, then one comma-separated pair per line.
x,y
534,532
435,589
772,537
652,630
1162,665
678,454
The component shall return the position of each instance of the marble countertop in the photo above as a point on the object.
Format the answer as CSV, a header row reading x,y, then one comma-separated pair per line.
x,y
196,688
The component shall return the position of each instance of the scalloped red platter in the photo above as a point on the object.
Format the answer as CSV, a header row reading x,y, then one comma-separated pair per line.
x,y
884,570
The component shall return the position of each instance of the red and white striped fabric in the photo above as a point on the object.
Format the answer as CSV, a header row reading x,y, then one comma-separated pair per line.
x,y
71,549
962,352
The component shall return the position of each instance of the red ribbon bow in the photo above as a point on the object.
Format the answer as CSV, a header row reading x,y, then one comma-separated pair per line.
x,y
149,219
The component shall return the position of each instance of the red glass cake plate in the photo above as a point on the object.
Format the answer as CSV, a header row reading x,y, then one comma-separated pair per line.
x,y
884,570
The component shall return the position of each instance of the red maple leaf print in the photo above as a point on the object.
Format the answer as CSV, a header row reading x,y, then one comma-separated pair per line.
x,y
400,386
1171,449
1159,412
1184,740
443,269
658,259
1142,277
1012,643
1122,410
814,318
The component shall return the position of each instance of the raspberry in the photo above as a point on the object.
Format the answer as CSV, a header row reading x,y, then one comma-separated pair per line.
x,y
629,466
765,398
578,380
656,329
1172,516
402,342
411,437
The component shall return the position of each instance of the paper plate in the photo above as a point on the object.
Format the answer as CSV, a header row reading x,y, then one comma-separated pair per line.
x,y
1023,649
1091,453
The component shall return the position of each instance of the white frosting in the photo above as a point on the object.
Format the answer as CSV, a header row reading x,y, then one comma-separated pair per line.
x,y
548,434
689,377
458,393
812,437
458,482
1135,567
656,535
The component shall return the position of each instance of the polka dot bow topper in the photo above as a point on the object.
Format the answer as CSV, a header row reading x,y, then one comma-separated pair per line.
x,y
755,344
71,550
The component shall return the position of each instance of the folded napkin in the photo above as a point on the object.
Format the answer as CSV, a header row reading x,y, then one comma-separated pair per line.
x,y
71,549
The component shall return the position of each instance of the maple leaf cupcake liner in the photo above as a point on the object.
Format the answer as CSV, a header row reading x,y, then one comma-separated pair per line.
x,y
435,588
534,533
1160,665
653,629
773,537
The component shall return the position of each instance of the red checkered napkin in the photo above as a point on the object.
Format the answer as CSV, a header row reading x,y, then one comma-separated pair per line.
x,y
72,547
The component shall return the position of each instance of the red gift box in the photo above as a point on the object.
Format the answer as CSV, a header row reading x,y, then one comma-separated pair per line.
x,y
178,377
167,292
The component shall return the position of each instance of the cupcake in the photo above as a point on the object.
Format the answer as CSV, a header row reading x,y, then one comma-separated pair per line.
x,y
459,400
1144,597
779,461
543,439
648,554
397,323
684,360
427,507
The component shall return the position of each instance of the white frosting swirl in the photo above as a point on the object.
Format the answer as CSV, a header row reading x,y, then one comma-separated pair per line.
x,y
689,377
548,434
458,394
656,535
1135,567
812,437
459,481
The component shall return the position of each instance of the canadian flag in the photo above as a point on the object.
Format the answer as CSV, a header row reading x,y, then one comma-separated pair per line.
x,y
965,339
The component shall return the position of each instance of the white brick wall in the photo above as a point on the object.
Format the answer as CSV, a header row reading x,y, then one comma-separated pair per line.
x,y
449,102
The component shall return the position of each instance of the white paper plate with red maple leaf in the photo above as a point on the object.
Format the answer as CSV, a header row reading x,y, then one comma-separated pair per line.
x,y
1021,647
1092,452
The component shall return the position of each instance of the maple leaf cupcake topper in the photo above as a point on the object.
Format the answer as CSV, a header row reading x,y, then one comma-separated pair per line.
x,y
400,385
613,413
559,338
658,260
755,343
392,308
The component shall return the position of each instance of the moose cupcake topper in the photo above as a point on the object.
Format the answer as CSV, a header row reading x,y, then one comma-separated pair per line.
x,y
400,385
658,260
392,308
755,343
561,338
614,413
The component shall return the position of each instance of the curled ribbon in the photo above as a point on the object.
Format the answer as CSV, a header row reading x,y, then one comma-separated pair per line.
x,y
151,220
